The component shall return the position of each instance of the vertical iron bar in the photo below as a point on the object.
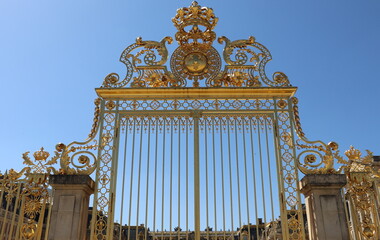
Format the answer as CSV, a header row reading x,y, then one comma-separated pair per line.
x,y
138,179
196,178
187,178
171,178
179,179
206,165
222,173
214,168
131,181
163,178
237,170
254,177
246,180
261,170
269,168
230,171
123,183
155,177
147,183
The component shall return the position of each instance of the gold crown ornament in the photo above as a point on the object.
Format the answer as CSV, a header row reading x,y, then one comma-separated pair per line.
x,y
353,154
195,16
41,155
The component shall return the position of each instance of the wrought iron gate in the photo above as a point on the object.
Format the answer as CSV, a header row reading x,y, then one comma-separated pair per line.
x,y
194,163
218,155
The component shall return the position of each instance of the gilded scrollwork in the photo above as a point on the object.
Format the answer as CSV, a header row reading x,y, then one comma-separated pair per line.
x,y
150,56
77,158
314,157
317,157
249,53
153,54
195,58
240,48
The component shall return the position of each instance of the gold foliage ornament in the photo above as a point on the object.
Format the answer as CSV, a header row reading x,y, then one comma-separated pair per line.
x,y
195,58
77,159
29,230
40,165
361,174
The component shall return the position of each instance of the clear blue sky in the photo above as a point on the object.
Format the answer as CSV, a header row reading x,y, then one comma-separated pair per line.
x,y
54,53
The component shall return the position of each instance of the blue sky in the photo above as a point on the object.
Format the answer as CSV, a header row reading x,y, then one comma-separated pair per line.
x,y
54,53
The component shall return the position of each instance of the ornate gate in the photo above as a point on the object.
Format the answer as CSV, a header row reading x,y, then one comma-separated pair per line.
x,y
207,145
208,149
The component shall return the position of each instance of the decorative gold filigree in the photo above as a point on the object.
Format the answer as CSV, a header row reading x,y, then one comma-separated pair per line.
x,y
361,194
36,194
198,104
195,58
39,165
149,53
195,62
110,105
361,174
236,77
252,55
155,78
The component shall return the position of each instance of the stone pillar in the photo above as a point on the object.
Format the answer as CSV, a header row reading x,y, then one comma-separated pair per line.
x,y
325,206
70,206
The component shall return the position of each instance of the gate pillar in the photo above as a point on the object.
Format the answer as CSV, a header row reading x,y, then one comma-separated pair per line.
x,y
70,206
324,206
